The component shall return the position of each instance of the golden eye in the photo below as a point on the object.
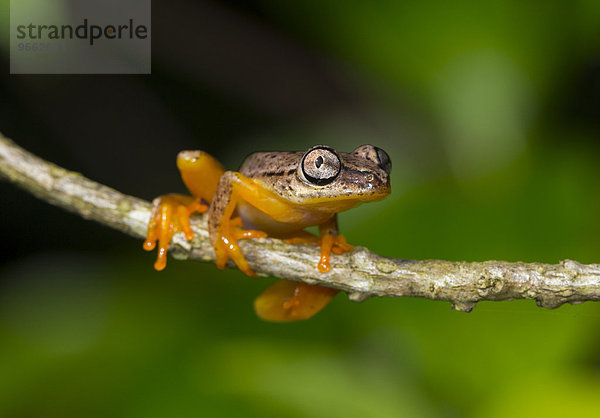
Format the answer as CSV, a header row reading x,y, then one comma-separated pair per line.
x,y
320,165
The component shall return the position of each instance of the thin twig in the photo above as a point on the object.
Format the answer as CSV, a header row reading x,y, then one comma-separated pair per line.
x,y
360,273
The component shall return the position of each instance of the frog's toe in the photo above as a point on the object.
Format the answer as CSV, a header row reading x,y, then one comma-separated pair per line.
x,y
161,259
341,246
249,233
183,217
151,235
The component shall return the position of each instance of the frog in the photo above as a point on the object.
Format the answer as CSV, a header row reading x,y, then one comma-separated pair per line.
x,y
276,194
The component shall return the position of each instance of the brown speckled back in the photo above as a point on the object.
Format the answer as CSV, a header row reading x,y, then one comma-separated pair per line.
x,y
271,164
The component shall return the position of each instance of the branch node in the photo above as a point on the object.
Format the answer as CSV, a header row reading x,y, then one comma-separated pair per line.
x,y
549,303
463,306
358,296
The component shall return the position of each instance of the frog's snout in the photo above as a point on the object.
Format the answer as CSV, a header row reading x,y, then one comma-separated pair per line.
x,y
377,186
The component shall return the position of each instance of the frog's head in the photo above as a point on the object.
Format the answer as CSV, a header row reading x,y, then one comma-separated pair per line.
x,y
362,175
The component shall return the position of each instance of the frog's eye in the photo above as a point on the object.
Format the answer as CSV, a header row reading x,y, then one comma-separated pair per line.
x,y
384,160
320,165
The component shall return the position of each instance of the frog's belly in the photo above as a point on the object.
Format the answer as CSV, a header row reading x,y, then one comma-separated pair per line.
x,y
257,219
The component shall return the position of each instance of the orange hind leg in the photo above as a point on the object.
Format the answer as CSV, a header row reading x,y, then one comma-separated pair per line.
x,y
286,301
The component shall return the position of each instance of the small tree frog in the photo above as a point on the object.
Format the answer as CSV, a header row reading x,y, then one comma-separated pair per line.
x,y
274,193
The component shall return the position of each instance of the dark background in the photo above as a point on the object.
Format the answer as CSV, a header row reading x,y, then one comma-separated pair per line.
x,y
490,112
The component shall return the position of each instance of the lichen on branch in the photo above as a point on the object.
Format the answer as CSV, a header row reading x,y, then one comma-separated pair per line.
x,y
360,273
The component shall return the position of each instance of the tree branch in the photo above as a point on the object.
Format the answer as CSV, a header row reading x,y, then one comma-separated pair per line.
x,y
360,273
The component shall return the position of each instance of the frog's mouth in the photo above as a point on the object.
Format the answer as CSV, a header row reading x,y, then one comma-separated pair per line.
x,y
345,202
376,196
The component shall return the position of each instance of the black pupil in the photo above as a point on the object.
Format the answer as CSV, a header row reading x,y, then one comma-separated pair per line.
x,y
319,162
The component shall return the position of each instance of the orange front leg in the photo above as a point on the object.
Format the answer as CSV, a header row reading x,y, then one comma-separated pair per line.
x,y
223,228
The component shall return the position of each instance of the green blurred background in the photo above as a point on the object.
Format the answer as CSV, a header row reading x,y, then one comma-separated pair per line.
x,y
490,112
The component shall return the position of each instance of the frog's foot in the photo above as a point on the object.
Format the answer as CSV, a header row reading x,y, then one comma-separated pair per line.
x,y
170,214
226,245
330,242
292,301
